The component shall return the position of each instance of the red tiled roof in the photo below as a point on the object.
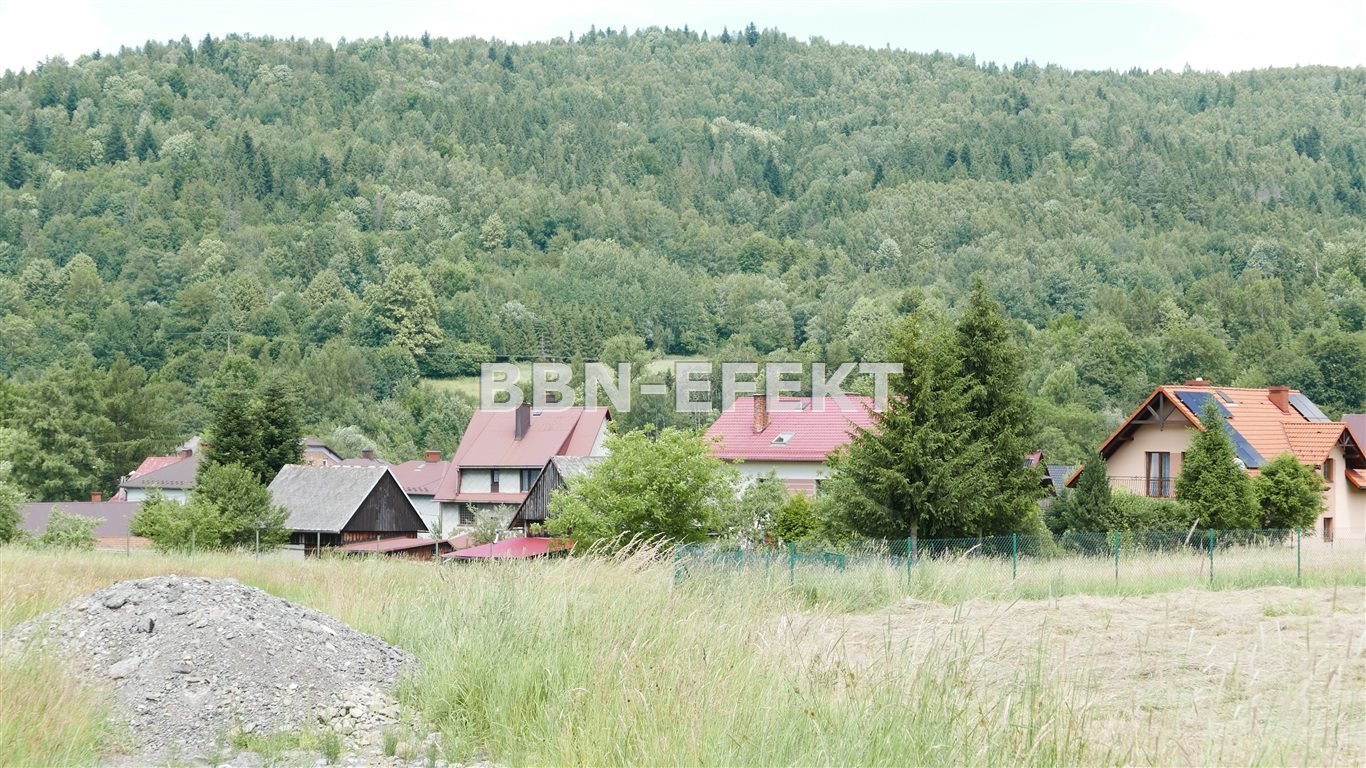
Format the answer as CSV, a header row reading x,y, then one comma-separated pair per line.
x,y
153,463
519,548
1312,441
490,441
177,474
420,478
812,434
394,544
1357,477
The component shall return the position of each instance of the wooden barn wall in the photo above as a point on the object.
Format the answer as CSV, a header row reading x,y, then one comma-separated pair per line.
x,y
386,510
537,504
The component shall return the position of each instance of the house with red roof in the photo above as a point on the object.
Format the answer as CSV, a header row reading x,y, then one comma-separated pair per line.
x,y
174,476
789,437
1144,455
503,452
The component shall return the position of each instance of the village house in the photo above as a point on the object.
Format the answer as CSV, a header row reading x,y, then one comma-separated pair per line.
x,y
790,441
174,476
333,506
559,472
113,532
503,452
420,479
1145,454
409,547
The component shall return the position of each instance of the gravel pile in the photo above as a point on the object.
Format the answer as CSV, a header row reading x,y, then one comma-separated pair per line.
x,y
192,660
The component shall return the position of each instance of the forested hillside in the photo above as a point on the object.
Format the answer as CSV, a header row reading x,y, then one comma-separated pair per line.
x,y
357,216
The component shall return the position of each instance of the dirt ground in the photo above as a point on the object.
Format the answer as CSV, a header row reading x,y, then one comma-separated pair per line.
x,y
1194,677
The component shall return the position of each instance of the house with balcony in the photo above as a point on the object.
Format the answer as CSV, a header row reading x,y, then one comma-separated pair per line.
x,y
1145,454
502,453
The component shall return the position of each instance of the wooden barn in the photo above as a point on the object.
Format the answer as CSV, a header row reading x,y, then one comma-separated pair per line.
x,y
558,472
332,506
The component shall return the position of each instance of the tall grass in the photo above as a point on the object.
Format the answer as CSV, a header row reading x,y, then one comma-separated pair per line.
x,y
47,716
617,661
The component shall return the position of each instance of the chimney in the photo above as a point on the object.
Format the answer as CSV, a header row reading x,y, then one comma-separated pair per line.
x,y
433,457
1279,396
1197,382
368,454
761,417
96,496
186,453
523,421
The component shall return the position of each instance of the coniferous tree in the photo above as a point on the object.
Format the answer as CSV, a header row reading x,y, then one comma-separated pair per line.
x,y
146,147
115,148
1001,414
1214,484
233,434
15,173
1089,507
281,428
916,472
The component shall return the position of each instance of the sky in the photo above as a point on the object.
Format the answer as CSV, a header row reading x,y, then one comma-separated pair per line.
x,y
1220,35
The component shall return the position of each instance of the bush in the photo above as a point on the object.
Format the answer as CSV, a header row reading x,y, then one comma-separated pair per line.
x,y
1141,513
796,518
66,531
225,510
1290,494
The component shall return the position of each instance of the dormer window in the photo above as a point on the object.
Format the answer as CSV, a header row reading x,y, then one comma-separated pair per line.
x,y
783,438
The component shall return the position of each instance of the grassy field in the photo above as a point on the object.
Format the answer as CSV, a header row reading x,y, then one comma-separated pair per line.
x,y
614,662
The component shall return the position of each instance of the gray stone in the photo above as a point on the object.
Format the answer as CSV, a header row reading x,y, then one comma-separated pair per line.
x,y
124,668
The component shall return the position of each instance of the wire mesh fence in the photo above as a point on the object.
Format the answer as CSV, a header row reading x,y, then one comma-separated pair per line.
x,y
1116,562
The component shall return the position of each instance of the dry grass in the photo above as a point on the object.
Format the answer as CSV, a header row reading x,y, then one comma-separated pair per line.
x,y
1271,675
616,662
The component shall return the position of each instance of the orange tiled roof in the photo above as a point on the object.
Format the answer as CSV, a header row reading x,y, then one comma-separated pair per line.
x,y
1312,441
1357,477
1270,431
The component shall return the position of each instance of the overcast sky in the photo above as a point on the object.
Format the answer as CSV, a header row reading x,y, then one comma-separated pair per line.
x,y
1224,35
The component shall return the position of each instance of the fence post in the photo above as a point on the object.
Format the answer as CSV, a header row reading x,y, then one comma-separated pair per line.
x,y
1211,556
1014,556
1115,537
791,562
1299,557
191,542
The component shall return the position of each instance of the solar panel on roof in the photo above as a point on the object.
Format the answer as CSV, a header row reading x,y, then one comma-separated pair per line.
x,y
1307,408
1196,402
1246,453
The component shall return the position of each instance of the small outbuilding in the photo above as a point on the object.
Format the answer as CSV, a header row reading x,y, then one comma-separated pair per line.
x,y
333,506
558,472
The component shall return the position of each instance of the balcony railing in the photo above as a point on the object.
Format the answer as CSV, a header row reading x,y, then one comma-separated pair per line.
x,y
1155,487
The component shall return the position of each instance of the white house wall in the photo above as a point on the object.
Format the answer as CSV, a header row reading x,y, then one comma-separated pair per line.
x,y
141,494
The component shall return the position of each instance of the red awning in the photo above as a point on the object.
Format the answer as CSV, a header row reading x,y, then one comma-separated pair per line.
x,y
518,548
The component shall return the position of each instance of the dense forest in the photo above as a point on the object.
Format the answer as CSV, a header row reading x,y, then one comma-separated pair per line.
x,y
365,217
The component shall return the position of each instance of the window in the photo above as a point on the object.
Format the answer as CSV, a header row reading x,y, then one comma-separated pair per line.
x,y
493,481
529,478
1328,529
1159,474
1328,470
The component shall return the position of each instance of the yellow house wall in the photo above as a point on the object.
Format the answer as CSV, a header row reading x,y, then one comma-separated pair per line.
x,y
1130,460
1345,504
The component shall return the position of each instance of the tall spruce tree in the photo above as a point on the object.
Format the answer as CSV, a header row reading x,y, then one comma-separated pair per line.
x,y
1214,484
281,428
1000,414
234,437
918,471
15,173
